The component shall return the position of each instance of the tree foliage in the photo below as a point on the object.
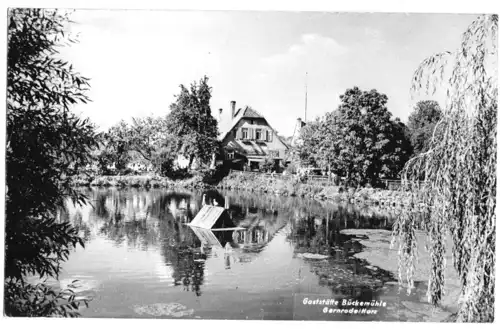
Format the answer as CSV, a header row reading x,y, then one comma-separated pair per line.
x,y
191,120
47,146
268,165
460,173
154,143
359,140
146,141
115,147
309,143
148,134
421,124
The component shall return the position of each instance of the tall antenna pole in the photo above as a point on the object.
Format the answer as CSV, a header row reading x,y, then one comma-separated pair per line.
x,y
305,110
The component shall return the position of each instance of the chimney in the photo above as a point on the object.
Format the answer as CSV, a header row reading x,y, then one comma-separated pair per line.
x,y
233,105
299,123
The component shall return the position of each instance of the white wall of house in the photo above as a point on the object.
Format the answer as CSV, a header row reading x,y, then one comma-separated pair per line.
x,y
183,162
251,125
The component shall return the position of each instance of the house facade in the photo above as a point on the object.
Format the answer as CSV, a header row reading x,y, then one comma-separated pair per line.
x,y
250,140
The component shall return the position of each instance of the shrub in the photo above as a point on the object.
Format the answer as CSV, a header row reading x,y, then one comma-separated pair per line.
x,y
330,191
46,148
40,300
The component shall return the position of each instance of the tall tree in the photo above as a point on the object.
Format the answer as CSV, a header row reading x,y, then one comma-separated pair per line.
x,y
366,143
46,146
460,173
421,124
403,150
191,121
309,142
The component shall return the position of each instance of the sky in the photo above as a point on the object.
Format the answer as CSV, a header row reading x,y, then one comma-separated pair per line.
x,y
137,59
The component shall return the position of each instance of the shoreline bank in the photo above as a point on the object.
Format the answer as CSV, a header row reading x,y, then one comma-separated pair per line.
x,y
318,191
260,184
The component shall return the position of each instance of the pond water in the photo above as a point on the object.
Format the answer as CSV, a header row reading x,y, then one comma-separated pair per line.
x,y
142,260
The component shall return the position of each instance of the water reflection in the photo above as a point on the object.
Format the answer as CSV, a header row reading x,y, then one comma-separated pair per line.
x,y
154,221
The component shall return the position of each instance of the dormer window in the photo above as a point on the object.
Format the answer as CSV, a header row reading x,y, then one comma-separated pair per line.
x,y
244,133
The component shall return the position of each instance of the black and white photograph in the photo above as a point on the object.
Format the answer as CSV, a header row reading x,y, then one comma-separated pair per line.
x,y
250,165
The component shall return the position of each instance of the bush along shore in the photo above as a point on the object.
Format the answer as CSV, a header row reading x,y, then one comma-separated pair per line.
x,y
319,191
146,181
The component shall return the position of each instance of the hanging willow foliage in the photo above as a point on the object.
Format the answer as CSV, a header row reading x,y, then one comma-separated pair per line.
x,y
459,173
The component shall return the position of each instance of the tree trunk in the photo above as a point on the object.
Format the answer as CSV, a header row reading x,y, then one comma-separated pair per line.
x,y
191,159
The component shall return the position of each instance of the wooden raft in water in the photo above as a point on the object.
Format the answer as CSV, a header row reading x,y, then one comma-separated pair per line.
x,y
210,216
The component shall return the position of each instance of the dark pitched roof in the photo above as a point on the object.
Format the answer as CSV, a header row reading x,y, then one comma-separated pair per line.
x,y
248,112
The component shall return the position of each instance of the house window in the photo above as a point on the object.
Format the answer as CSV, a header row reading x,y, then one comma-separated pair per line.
x,y
269,135
230,155
244,133
274,154
258,134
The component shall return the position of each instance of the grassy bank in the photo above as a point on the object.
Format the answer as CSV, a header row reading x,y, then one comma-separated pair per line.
x,y
290,187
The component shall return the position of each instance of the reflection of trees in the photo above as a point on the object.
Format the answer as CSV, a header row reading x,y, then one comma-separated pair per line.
x,y
82,226
76,218
131,216
142,219
314,235
99,203
320,232
342,272
352,215
136,234
181,251
189,271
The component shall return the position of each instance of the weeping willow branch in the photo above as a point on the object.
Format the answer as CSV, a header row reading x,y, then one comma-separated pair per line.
x,y
459,171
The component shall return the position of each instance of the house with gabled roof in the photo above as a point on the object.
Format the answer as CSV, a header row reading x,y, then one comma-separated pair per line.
x,y
249,140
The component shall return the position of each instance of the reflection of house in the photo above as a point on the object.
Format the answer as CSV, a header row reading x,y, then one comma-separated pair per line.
x,y
231,243
253,236
250,140
207,237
